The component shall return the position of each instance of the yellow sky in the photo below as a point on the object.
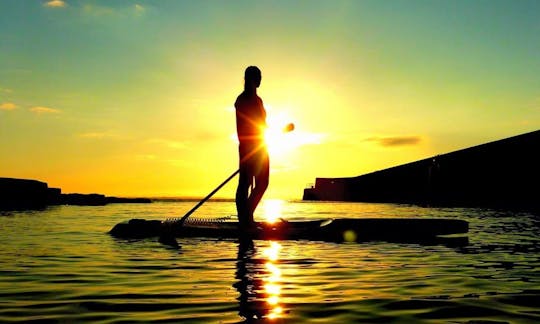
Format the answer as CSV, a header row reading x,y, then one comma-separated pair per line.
x,y
137,99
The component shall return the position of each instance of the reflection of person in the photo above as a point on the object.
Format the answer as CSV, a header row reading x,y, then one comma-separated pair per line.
x,y
256,279
249,306
254,161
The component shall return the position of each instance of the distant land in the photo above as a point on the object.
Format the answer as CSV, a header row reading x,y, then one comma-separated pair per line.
x,y
16,194
189,199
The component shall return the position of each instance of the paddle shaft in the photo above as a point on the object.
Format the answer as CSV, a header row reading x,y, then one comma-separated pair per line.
x,y
288,128
183,219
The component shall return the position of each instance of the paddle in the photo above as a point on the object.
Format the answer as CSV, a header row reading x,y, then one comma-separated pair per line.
x,y
288,128
199,204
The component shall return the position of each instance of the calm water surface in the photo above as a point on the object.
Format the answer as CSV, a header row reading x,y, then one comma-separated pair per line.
x,y
60,265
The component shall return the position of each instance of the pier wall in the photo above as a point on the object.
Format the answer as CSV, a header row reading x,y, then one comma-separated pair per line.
x,y
501,173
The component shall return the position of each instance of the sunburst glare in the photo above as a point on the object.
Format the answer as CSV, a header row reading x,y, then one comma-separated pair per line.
x,y
281,137
272,210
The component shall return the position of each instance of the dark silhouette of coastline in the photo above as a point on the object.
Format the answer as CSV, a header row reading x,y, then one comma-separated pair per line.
x,y
499,174
21,194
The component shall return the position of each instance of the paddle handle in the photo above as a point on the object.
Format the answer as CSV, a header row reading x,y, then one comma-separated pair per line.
x,y
183,219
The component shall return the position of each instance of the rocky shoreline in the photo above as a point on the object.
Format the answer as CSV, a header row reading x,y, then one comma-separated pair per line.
x,y
32,194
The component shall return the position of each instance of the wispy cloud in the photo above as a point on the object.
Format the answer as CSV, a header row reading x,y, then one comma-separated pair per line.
x,y
6,90
95,10
394,141
8,106
44,110
95,135
139,9
55,4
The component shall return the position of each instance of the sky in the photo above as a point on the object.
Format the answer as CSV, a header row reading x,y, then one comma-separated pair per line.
x,y
136,98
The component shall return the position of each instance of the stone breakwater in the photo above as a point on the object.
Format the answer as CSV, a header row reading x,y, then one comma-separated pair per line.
x,y
33,194
499,174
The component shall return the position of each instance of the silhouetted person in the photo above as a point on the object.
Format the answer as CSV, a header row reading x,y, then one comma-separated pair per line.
x,y
254,160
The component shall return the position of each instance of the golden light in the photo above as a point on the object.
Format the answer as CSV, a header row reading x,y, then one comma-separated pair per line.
x,y
273,300
276,312
272,284
272,210
272,252
349,236
272,289
275,272
277,141
282,136
280,139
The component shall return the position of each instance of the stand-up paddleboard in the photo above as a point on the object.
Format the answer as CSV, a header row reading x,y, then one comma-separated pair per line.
x,y
332,230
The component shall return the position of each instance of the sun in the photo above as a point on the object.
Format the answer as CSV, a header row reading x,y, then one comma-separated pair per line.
x,y
281,137
278,141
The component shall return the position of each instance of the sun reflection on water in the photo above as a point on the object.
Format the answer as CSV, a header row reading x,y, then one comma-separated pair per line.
x,y
272,283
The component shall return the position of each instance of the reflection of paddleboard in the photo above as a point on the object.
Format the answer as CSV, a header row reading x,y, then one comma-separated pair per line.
x,y
334,230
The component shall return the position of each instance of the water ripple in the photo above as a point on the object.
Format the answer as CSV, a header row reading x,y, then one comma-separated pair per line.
x,y
59,265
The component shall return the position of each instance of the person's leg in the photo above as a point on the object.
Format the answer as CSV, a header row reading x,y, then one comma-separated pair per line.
x,y
261,183
242,201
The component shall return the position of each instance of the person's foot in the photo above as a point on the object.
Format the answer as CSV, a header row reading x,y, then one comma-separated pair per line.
x,y
249,229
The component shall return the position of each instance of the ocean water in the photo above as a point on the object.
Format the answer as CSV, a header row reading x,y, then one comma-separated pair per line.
x,y
60,265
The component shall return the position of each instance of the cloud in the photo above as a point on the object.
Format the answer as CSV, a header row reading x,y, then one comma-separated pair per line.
x,y
6,90
396,140
8,106
44,110
94,10
139,9
102,135
55,4
95,135
98,11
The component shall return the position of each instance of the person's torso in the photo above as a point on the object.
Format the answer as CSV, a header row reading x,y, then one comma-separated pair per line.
x,y
250,117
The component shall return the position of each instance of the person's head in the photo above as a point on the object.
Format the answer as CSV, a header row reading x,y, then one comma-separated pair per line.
x,y
252,78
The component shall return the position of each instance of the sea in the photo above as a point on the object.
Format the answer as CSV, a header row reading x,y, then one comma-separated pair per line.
x,y
60,265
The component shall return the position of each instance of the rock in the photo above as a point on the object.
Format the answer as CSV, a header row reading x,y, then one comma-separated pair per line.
x,y
19,194
22,194
84,199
